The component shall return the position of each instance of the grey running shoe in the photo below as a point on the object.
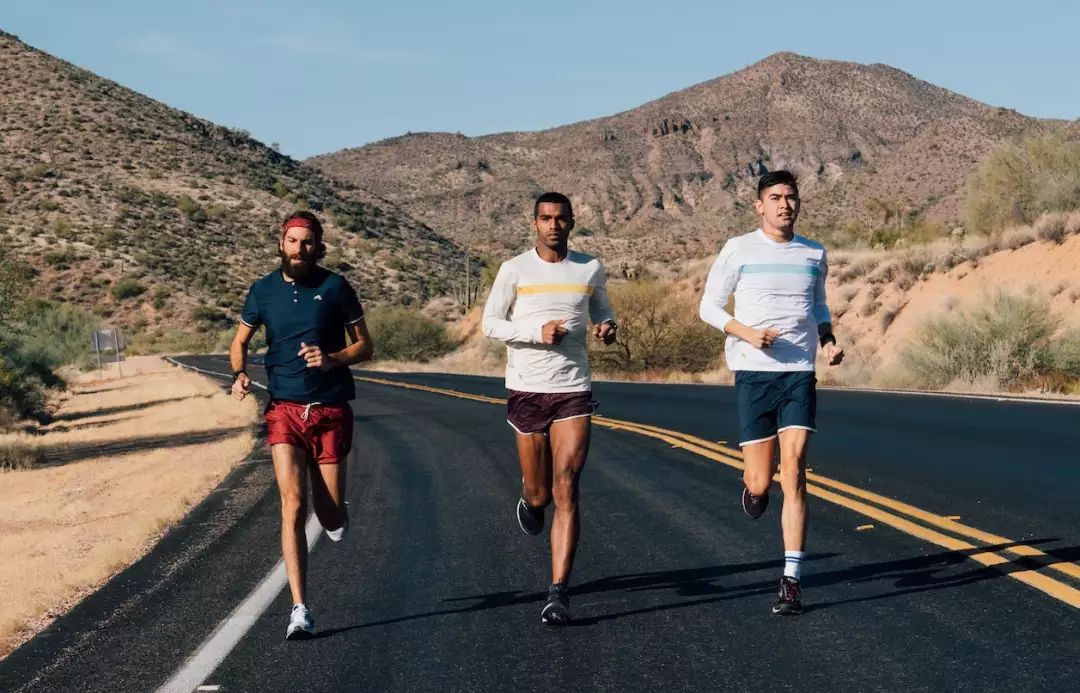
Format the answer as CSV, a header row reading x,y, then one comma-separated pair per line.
x,y
530,519
753,505
301,625
556,611
789,598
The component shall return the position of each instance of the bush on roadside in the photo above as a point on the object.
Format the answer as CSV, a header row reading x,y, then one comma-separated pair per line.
x,y
657,330
59,332
18,456
1005,342
44,337
405,334
1018,182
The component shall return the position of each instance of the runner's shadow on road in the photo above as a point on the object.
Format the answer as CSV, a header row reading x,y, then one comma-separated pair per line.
x,y
908,576
688,582
934,572
684,582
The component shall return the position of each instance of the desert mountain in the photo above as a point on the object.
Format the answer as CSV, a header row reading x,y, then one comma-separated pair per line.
x,y
159,219
670,179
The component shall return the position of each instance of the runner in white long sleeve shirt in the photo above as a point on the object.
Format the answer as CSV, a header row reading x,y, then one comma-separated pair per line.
x,y
778,282
540,304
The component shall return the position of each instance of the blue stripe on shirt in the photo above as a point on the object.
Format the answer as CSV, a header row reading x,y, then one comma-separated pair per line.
x,y
811,270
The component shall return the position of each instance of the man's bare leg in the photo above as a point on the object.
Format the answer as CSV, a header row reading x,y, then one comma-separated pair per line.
x,y
534,454
759,463
290,468
328,493
794,443
569,449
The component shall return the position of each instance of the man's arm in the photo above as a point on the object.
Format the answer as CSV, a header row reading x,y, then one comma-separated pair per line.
x,y
601,313
723,277
362,347
496,324
833,353
238,359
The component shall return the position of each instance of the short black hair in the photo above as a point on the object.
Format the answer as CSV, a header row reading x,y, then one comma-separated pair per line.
x,y
554,198
777,178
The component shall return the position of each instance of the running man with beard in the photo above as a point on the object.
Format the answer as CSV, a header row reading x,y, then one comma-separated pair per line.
x,y
540,304
778,280
307,311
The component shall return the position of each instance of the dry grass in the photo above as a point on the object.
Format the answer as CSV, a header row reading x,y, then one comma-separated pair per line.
x,y
115,474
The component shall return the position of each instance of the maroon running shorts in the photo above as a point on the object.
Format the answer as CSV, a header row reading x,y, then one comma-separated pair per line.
x,y
324,430
534,412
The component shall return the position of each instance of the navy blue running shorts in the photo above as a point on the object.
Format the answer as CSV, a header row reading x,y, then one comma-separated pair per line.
x,y
772,401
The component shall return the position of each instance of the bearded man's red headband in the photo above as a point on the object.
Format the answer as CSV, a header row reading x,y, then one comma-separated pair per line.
x,y
301,223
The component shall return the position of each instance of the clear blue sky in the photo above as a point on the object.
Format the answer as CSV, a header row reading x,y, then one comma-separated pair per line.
x,y
318,76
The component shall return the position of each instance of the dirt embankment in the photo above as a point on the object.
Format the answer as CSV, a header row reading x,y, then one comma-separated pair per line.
x,y
124,458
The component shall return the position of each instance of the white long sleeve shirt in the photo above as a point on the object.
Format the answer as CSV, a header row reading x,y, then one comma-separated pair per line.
x,y
527,293
777,285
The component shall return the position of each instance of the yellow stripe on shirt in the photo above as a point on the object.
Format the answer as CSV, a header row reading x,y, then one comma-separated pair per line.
x,y
556,289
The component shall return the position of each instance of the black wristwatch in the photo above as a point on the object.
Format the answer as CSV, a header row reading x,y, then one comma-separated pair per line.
x,y
827,339
237,374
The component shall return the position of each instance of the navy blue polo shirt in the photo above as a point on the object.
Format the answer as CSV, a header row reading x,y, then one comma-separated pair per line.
x,y
315,311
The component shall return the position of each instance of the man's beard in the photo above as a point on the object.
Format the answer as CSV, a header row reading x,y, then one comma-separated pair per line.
x,y
295,271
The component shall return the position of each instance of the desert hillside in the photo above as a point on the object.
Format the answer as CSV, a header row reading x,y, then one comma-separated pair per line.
x,y
667,181
158,220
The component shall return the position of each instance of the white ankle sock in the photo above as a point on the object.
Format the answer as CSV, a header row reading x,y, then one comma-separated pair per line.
x,y
793,564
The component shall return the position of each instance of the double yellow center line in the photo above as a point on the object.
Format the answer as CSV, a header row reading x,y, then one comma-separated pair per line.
x,y
902,516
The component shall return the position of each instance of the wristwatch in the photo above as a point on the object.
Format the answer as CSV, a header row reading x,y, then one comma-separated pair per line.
x,y
237,374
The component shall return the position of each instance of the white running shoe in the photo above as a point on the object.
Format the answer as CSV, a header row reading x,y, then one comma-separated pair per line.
x,y
301,625
339,533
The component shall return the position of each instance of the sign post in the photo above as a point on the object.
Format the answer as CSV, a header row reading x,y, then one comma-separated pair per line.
x,y
97,353
103,340
116,341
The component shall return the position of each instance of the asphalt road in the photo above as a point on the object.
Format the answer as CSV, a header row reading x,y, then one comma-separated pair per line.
x,y
435,588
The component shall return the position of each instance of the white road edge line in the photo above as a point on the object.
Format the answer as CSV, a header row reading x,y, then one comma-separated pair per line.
x,y
228,633
174,362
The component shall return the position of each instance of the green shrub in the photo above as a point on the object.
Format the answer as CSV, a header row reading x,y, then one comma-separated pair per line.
x,y
127,288
46,336
18,456
657,330
161,295
1018,182
60,259
405,334
1005,342
59,332
173,342
191,208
